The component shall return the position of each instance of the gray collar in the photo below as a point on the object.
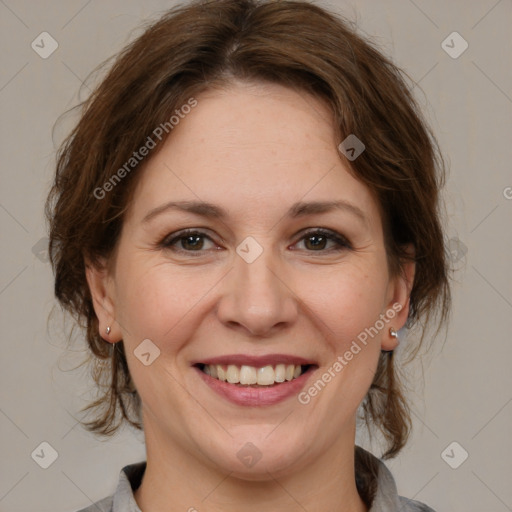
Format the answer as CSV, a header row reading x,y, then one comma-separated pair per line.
x,y
371,473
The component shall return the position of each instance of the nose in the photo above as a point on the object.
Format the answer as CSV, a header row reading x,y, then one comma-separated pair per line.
x,y
256,297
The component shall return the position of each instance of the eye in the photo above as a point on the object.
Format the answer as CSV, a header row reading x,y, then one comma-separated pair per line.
x,y
316,240
186,241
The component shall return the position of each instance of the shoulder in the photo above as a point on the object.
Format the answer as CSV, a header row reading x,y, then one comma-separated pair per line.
x,y
104,505
377,486
414,506
122,500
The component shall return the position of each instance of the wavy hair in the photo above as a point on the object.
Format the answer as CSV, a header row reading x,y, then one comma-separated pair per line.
x,y
203,44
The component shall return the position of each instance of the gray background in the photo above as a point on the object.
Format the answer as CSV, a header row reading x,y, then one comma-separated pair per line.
x,y
467,390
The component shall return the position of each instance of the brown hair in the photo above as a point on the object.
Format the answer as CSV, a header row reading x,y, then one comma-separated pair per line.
x,y
293,43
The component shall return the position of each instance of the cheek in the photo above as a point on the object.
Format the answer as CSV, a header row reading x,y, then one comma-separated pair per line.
x,y
347,301
349,304
156,301
162,305
361,297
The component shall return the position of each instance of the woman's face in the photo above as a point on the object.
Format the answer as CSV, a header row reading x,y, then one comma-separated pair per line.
x,y
256,286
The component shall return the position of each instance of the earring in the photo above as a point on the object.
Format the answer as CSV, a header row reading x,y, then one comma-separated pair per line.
x,y
108,329
394,334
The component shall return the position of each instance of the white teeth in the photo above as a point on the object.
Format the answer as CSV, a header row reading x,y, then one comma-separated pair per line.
x,y
280,373
233,374
250,375
221,373
266,376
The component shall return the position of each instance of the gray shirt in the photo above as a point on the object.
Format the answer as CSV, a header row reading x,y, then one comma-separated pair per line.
x,y
374,483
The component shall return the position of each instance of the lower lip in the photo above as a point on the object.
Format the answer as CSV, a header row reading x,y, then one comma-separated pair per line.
x,y
256,396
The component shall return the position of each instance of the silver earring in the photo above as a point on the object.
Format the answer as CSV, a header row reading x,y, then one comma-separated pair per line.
x,y
108,329
394,334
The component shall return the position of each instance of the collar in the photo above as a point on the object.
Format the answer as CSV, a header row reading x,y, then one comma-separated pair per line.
x,y
373,479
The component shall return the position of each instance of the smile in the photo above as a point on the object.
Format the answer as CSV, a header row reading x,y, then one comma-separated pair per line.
x,y
254,381
252,376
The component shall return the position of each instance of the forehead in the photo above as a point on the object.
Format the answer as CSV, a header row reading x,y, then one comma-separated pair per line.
x,y
253,148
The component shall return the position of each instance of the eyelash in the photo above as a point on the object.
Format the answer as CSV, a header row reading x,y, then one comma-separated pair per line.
x,y
342,242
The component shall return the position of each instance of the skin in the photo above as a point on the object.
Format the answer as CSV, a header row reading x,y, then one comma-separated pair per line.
x,y
253,149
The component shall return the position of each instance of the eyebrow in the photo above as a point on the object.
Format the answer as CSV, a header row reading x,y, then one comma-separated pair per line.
x,y
299,209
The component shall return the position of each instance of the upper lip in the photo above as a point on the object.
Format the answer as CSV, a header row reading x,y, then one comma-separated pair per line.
x,y
256,361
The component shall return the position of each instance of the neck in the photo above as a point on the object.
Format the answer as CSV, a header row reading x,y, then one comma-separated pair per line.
x,y
175,480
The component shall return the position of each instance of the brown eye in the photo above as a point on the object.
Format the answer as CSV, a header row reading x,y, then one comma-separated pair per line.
x,y
186,242
191,242
317,240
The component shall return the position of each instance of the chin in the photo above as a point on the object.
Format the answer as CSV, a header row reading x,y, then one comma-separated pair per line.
x,y
253,454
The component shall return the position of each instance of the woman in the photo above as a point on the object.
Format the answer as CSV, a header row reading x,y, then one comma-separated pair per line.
x,y
243,219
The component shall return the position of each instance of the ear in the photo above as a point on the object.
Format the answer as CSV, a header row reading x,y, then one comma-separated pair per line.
x,y
101,288
399,291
